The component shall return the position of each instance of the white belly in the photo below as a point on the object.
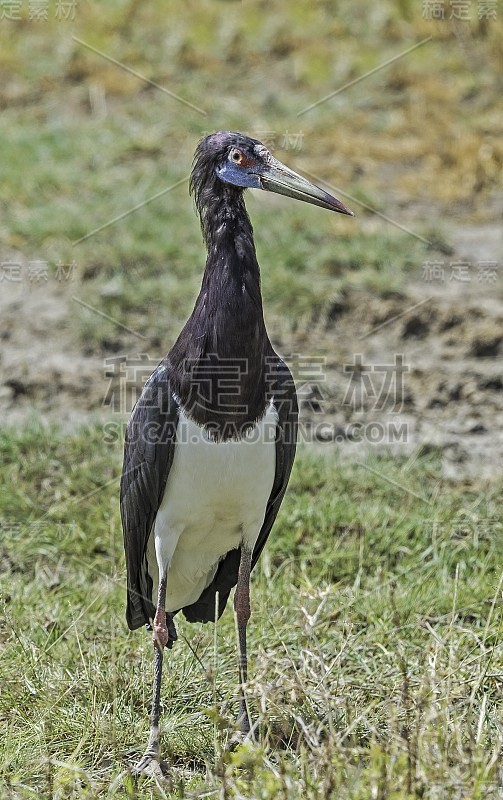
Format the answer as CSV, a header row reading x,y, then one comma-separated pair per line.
x,y
215,499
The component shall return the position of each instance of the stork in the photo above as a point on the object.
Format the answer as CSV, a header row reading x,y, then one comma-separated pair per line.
x,y
211,441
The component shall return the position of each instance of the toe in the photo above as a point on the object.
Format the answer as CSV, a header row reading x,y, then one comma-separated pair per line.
x,y
150,767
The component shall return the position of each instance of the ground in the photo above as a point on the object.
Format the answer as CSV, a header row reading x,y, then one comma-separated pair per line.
x,y
376,661
448,335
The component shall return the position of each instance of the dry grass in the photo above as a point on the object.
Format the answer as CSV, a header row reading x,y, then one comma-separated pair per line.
x,y
375,641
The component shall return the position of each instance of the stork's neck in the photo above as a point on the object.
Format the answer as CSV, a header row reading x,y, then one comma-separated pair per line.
x,y
231,259
220,359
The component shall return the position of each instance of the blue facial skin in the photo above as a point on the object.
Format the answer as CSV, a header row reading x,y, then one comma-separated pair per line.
x,y
233,173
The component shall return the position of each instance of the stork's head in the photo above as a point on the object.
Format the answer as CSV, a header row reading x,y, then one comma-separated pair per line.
x,y
245,163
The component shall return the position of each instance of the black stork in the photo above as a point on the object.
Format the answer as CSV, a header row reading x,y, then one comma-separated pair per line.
x,y
211,441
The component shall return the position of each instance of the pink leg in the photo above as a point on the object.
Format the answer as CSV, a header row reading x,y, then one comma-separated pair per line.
x,y
164,628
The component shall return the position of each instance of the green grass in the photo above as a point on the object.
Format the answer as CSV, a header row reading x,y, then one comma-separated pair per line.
x,y
375,641
70,165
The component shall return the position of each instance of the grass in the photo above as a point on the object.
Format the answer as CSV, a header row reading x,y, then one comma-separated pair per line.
x,y
95,141
375,640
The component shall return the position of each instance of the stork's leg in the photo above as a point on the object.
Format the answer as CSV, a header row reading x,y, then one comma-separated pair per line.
x,y
242,608
163,636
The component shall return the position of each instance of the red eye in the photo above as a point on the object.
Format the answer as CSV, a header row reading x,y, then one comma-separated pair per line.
x,y
236,155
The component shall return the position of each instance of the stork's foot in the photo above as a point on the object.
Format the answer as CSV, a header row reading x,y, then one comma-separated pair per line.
x,y
150,766
150,763
244,733
238,739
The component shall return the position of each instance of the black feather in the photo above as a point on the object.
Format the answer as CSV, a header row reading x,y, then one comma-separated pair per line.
x,y
222,371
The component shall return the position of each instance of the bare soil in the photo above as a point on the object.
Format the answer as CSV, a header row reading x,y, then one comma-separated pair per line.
x,y
446,336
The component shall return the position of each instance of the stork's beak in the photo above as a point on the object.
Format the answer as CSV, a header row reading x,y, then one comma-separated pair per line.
x,y
275,177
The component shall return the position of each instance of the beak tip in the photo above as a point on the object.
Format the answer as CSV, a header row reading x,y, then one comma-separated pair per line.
x,y
344,209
